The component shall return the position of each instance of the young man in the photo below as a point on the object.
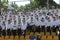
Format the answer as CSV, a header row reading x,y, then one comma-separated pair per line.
x,y
42,24
37,23
9,27
31,22
48,24
19,26
14,28
0,31
54,24
24,25
3,25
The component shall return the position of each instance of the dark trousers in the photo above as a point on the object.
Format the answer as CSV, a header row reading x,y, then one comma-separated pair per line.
x,y
14,32
23,32
4,32
8,32
19,31
0,33
30,28
38,29
48,29
43,28
54,29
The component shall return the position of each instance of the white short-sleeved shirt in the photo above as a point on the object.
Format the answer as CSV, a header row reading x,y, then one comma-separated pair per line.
x,y
31,21
58,21
42,23
15,27
37,22
55,23
0,20
16,19
48,23
23,26
3,26
9,26
19,25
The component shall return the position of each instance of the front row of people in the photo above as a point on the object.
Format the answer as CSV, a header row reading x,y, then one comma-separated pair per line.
x,y
29,29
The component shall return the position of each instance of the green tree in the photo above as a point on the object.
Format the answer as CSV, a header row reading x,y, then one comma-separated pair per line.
x,y
2,4
14,6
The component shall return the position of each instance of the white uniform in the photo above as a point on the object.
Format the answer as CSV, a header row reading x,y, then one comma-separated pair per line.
x,y
16,20
3,25
37,22
24,26
19,25
54,22
58,21
24,23
32,20
42,23
15,27
9,26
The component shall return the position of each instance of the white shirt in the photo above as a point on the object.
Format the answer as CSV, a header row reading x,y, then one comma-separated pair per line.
x,y
9,26
15,27
37,22
58,32
55,22
48,23
23,26
3,26
32,21
16,20
42,23
19,25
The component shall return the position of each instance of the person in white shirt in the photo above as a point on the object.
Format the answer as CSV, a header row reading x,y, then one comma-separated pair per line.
x,y
19,26
58,32
31,22
42,24
9,27
3,25
37,23
48,24
24,25
54,24
15,28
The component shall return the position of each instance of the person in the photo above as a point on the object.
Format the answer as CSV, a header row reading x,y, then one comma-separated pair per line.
x,y
54,24
3,28
48,24
31,22
14,28
37,23
9,26
19,26
42,25
23,25
58,34
38,37
0,31
32,37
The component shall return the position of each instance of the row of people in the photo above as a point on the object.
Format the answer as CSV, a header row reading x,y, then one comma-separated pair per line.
x,y
23,21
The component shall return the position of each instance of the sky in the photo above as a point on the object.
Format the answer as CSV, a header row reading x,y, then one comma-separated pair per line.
x,y
23,2
20,3
57,1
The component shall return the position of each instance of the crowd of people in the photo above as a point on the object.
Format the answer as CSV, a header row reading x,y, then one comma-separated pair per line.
x,y
38,20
